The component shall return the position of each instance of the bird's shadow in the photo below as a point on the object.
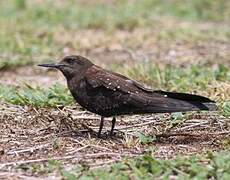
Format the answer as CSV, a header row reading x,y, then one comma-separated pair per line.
x,y
85,131
88,134
180,139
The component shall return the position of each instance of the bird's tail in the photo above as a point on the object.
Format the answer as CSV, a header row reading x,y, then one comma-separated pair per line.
x,y
179,102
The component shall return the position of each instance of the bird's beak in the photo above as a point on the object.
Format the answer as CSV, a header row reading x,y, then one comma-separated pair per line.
x,y
51,65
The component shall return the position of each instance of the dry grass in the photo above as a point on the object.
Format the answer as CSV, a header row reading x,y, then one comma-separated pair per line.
x,y
30,136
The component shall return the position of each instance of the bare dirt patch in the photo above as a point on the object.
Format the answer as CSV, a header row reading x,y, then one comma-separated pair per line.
x,y
32,75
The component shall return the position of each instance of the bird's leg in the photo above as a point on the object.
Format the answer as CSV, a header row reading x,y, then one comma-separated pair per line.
x,y
113,125
101,126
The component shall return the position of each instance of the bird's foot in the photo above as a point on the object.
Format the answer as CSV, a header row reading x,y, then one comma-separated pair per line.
x,y
113,133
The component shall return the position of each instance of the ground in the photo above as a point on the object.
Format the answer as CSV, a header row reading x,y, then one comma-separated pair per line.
x,y
183,47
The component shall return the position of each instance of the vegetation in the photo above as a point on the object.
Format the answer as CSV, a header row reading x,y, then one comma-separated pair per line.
x,y
54,96
210,165
30,30
167,78
175,45
147,167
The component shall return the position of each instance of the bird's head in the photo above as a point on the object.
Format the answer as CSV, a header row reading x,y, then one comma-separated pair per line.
x,y
71,66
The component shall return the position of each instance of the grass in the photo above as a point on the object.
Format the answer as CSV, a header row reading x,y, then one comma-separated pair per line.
x,y
29,29
148,167
54,96
194,79
226,109
13,63
191,79
171,78
123,15
206,166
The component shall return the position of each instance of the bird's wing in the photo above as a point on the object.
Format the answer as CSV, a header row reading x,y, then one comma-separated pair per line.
x,y
97,77
160,93
133,82
111,80
148,101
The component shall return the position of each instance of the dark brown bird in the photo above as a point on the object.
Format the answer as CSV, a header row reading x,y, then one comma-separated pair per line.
x,y
109,94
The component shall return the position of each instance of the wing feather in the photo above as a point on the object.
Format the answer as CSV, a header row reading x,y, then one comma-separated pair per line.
x,y
114,81
119,84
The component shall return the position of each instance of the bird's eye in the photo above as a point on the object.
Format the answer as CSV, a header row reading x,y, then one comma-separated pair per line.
x,y
70,61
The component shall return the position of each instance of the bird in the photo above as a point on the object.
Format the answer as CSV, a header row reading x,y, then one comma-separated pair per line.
x,y
110,94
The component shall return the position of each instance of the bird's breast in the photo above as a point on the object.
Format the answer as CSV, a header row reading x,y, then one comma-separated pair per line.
x,y
97,100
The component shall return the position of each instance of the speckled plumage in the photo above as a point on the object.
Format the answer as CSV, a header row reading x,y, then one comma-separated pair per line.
x,y
110,94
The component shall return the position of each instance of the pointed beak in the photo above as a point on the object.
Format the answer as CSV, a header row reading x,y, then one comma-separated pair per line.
x,y
50,65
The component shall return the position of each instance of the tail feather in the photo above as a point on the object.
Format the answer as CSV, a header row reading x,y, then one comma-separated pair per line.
x,y
184,96
180,102
211,106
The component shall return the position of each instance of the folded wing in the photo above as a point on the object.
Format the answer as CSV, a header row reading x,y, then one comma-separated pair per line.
x,y
142,99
